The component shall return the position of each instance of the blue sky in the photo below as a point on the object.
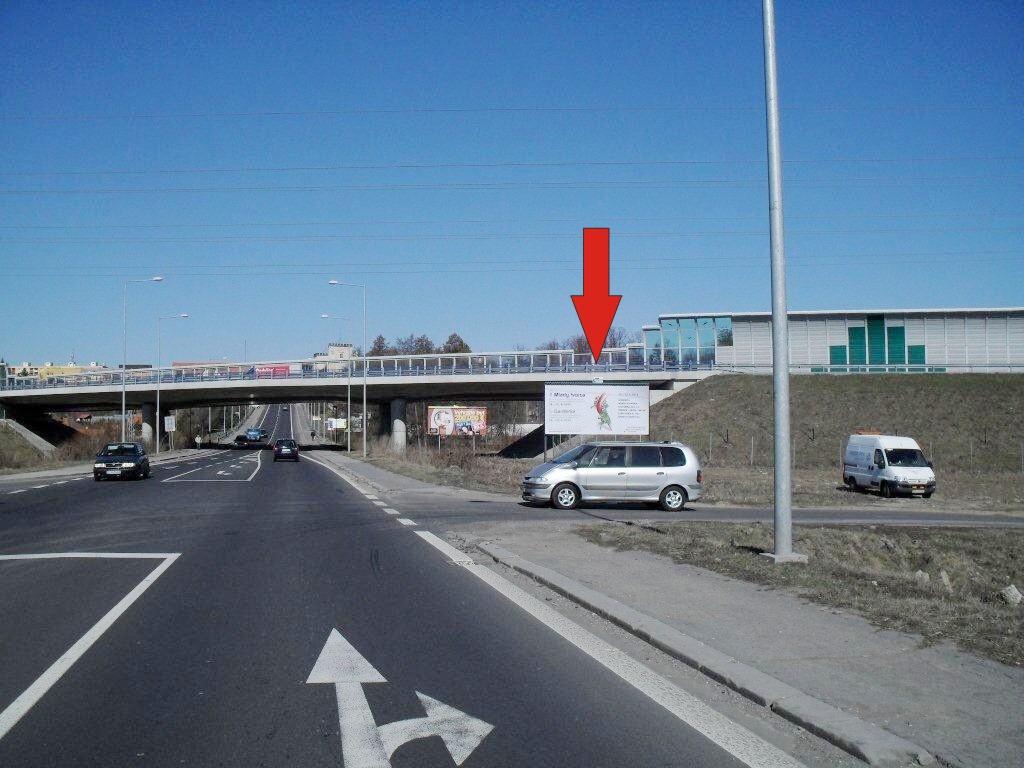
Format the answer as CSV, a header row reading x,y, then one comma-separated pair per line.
x,y
449,155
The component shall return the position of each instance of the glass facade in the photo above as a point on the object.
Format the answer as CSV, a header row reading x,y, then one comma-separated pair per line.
x,y
652,344
670,341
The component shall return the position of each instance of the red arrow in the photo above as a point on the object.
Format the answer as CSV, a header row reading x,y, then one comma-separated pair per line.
x,y
596,308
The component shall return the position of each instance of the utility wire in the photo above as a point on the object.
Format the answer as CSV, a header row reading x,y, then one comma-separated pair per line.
x,y
538,185
492,165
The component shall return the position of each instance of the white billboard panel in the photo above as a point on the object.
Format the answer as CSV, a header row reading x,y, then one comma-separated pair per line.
x,y
593,409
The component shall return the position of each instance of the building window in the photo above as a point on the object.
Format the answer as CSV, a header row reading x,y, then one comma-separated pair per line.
x,y
670,340
723,331
652,343
706,340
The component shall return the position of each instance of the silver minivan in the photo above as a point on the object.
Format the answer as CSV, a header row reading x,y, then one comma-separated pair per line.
x,y
666,473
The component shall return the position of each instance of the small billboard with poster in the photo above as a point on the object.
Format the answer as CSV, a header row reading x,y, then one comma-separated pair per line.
x,y
458,420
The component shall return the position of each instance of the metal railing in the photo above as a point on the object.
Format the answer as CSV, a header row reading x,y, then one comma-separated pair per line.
x,y
552,362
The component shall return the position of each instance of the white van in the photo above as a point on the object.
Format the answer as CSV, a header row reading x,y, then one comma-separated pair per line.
x,y
888,464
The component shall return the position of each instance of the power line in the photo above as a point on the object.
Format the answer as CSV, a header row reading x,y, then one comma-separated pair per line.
x,y
537,185
499,164
475,236
521,264
517,220
526,109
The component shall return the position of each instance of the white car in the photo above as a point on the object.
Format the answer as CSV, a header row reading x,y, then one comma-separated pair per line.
x,y
889,464
668,474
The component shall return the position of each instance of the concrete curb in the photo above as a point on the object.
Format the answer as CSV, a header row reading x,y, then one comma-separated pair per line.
x,y
861,739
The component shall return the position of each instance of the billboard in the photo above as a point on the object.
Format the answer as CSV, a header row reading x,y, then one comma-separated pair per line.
x,y
463,421
593,409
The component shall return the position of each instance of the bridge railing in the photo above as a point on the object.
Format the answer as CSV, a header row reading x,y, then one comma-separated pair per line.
x,y
456,364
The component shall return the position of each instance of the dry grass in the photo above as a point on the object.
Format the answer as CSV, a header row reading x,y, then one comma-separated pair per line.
x,y
460,468
870,571
964,422
18,456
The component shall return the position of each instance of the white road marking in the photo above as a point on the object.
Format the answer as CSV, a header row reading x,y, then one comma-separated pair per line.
x,y
37,487
370,496
455,555
60,482
406,521
11,493
364,744
222,472
17,709
174,478
745,746
392,511
380,503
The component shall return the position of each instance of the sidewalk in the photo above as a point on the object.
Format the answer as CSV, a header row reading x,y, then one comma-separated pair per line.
x,y
847,675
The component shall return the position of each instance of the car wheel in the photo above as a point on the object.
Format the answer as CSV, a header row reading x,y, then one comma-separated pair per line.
x,y
885,490
850,482
927,495
148,472
672,499
565,496
97,478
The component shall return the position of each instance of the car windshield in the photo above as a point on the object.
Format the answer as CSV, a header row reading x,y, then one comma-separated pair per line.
x,y
119,449
286,443
905,457
579,453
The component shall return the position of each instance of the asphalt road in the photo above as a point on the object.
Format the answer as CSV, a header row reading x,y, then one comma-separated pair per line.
x,y
254,599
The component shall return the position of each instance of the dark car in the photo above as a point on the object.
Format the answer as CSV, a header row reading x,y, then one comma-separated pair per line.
x,y
121,460
285,450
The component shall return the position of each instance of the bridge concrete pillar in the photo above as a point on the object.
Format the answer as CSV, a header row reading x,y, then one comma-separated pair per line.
x,y
149,417
398,425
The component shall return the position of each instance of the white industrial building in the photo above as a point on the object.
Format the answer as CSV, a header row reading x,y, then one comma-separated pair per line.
x,y
845,341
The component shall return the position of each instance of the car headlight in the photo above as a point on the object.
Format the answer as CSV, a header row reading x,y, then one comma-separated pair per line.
x,y
127,464
99,465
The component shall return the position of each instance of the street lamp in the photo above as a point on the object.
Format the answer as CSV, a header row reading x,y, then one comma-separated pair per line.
x,y
348,393
363,287
124,353
159,373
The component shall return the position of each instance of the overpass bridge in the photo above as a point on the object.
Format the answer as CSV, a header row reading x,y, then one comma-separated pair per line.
x,y
391,381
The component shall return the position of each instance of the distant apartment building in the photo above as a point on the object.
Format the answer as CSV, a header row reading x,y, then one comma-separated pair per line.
x,y
843,341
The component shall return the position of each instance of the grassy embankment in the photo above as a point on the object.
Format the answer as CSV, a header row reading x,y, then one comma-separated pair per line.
x,y
970,425
16,455
875,571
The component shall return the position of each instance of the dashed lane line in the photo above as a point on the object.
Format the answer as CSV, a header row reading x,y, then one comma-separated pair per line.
x,y
11,493
406,521
392,511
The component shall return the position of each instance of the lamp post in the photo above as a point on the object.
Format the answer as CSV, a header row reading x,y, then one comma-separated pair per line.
x,y
348,393
363,418
159,373
124,353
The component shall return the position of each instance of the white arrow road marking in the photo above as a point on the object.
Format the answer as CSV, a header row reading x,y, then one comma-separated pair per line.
x,y
222,472
363,743
460,732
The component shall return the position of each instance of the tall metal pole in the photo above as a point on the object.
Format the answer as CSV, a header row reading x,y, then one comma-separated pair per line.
x,y
124,352
124,364
780,331
159,373
364,372
363,417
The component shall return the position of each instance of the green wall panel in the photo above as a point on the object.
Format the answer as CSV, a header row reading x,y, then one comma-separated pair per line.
x,y
915,354
858,347
876,339
897,337
837,355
